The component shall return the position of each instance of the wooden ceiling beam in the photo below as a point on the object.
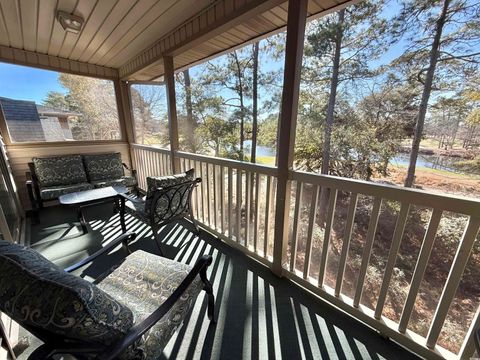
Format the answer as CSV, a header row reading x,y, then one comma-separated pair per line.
x,y
49,62
214,20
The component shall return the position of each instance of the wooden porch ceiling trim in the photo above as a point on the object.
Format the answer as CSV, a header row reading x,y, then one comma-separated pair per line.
x,y
213,21
49,62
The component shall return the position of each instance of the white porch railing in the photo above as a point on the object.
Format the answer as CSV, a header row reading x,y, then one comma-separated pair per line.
x,y
236,201
150,161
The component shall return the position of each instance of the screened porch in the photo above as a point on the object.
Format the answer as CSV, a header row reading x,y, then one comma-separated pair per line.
x,y
285,286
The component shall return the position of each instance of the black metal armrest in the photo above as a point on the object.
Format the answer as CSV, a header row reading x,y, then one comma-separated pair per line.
x,y
114,350
124,239
132,171
30,189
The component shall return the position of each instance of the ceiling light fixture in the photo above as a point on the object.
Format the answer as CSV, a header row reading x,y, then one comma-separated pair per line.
x,y
70,22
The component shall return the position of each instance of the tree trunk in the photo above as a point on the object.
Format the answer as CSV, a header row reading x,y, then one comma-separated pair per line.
x,y
333,94
253,157
455,132
427,89
242,106
330,112
191,123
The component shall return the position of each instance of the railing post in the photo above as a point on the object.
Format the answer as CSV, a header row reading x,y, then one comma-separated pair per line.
x,y
172,111
297,16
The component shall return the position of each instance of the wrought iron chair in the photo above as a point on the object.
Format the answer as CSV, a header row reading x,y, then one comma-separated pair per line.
x,y
130,314
163,204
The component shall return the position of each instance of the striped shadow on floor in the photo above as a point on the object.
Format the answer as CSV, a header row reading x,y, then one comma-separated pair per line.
x,y
259,316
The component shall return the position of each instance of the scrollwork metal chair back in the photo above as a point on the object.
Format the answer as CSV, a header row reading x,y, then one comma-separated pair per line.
x,y
172,203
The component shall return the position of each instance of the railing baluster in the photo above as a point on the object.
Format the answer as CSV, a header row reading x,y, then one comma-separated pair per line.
x,y
247,208
157,158
230,200
222,199
367,251
239,204
202,189
392,257
332,201
453,280
198,198
347,237
257,210
296,218
147,163
155,164
209,199
215,207
311,225
420,268
142,168
468,347
159,164
162,165
267,216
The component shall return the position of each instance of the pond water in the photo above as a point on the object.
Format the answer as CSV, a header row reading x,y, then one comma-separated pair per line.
x,y
428,161
438,162
261,150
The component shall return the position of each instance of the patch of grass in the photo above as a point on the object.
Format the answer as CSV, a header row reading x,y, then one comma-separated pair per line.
x,y
266,160
440,172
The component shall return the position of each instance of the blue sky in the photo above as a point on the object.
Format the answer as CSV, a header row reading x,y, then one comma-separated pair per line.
x,y
25,83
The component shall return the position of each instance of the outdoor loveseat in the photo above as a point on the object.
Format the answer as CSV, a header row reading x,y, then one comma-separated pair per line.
x,y
130,314
51,177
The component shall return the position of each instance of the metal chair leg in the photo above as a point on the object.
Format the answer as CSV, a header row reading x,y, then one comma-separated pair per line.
x,y
192,219
157,240
207,286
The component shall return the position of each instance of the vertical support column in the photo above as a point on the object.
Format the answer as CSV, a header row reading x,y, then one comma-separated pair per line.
x,y
122,91
124,105
172,111
297,16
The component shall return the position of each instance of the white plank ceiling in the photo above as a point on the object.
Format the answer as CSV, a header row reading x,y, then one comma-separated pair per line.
x,y
114,30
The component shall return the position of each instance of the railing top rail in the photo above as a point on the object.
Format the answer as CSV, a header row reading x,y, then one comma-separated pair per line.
x,y
246,166
461,205
151,148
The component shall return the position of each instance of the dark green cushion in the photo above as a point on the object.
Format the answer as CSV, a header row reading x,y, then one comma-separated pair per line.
x,y
36,293
127,181
60,170
153,183
103,166
54,192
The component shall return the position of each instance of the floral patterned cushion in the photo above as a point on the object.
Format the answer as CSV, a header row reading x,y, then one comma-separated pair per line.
x,y
143,282
154,183
103,166
53,192
37,293
124,180
60,170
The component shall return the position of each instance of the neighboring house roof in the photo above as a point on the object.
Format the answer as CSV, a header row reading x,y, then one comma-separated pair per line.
x,y
19,110
49,111
22,119
24,123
